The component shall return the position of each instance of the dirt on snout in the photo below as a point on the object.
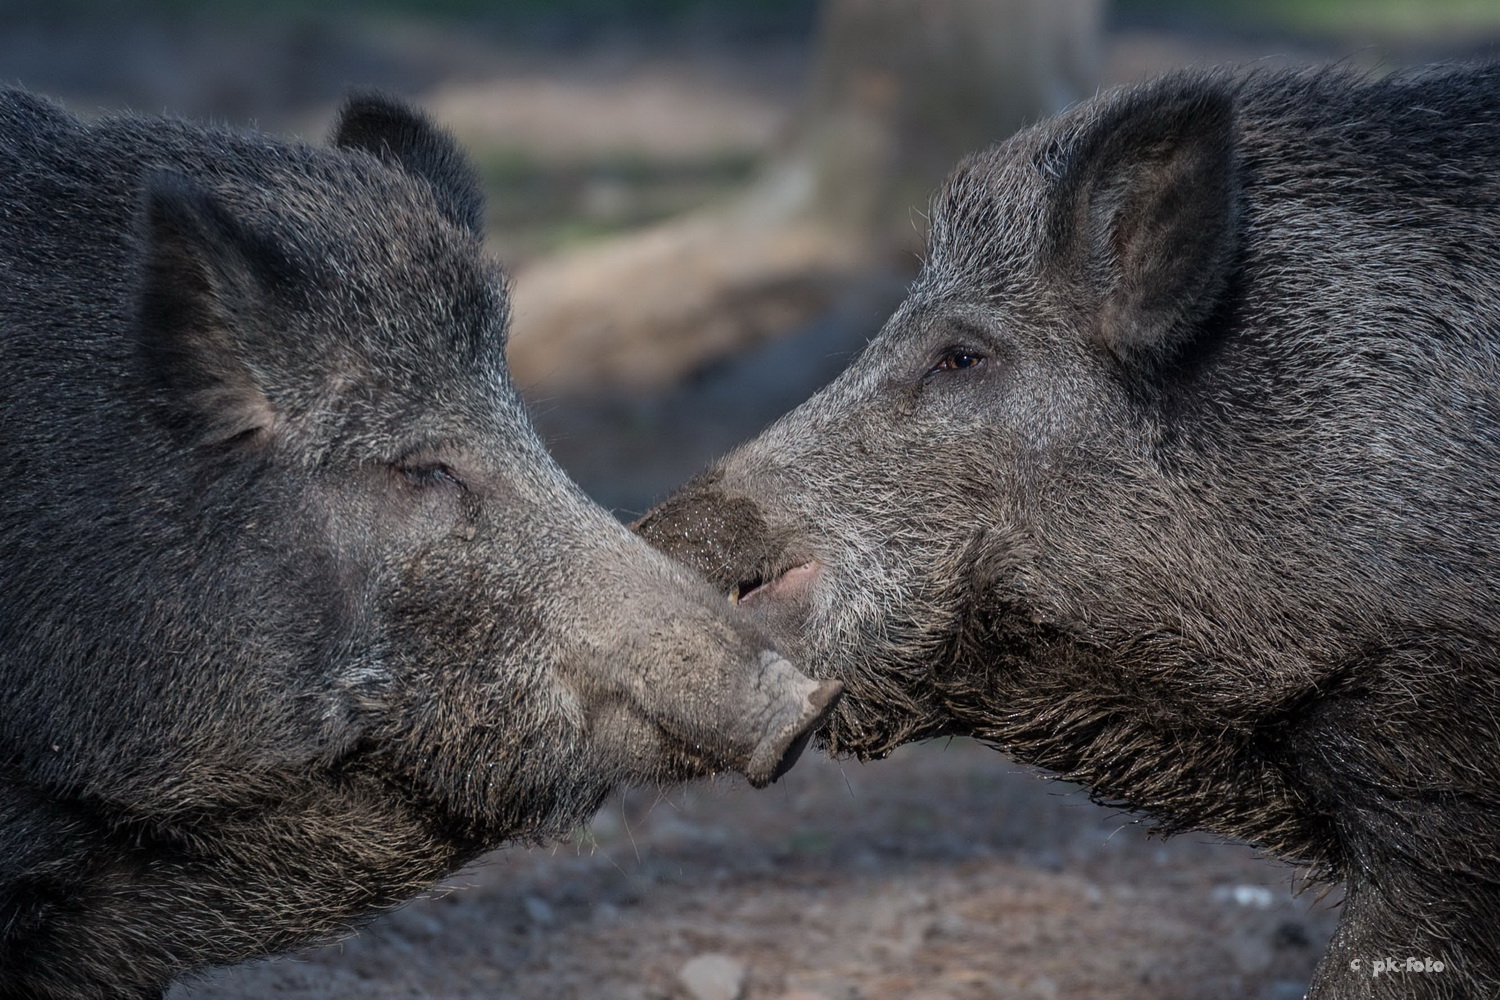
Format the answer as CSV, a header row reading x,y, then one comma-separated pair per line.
x,y
944,873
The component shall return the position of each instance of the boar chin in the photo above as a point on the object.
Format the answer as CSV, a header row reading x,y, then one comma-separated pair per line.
x,y
887,705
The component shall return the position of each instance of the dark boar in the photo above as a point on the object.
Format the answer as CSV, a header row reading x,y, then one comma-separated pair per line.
x,y
298,615
1177,474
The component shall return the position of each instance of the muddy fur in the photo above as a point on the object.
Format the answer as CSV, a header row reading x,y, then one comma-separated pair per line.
x,y
1176,474
298,615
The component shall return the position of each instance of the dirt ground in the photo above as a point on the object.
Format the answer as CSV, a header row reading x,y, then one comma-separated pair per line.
x,y
944,873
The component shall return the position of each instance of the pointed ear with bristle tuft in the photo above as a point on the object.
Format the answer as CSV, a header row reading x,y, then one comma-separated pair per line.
x,y
1145,219
406,138
200,274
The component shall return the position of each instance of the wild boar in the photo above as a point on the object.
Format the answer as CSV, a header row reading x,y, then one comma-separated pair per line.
x,y
298,615
1176,474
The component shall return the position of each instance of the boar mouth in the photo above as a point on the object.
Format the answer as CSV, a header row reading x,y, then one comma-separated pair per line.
x,y
791,581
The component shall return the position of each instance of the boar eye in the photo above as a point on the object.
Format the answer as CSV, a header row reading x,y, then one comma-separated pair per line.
x,y
957,360
430,474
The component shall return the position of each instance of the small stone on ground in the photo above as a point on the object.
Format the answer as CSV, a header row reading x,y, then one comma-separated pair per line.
x,y
713,977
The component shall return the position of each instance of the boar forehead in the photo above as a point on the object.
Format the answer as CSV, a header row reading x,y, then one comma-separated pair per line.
x,y
988,233
396,285
384,328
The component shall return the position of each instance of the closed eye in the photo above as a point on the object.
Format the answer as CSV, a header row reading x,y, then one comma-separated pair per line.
x,y
430,474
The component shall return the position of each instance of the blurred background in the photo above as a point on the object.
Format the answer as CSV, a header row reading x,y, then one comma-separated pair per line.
x,y
706,207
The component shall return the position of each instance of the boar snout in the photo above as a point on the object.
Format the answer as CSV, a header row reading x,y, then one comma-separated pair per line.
x,y
770,573
792,706
725,537
708,681
751,710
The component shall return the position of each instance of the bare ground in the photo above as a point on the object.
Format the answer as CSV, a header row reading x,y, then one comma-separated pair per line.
x,y
945,872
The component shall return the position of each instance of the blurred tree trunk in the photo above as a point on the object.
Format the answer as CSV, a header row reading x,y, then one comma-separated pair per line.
x,y
900,91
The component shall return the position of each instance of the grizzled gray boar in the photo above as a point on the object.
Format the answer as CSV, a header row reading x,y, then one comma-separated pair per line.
x,y
1178,473
298,615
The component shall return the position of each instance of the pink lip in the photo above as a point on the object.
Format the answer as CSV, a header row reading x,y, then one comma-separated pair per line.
x,y
791,583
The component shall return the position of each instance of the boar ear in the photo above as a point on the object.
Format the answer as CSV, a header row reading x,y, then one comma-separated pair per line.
x,y
1146,218
405,138
200,278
